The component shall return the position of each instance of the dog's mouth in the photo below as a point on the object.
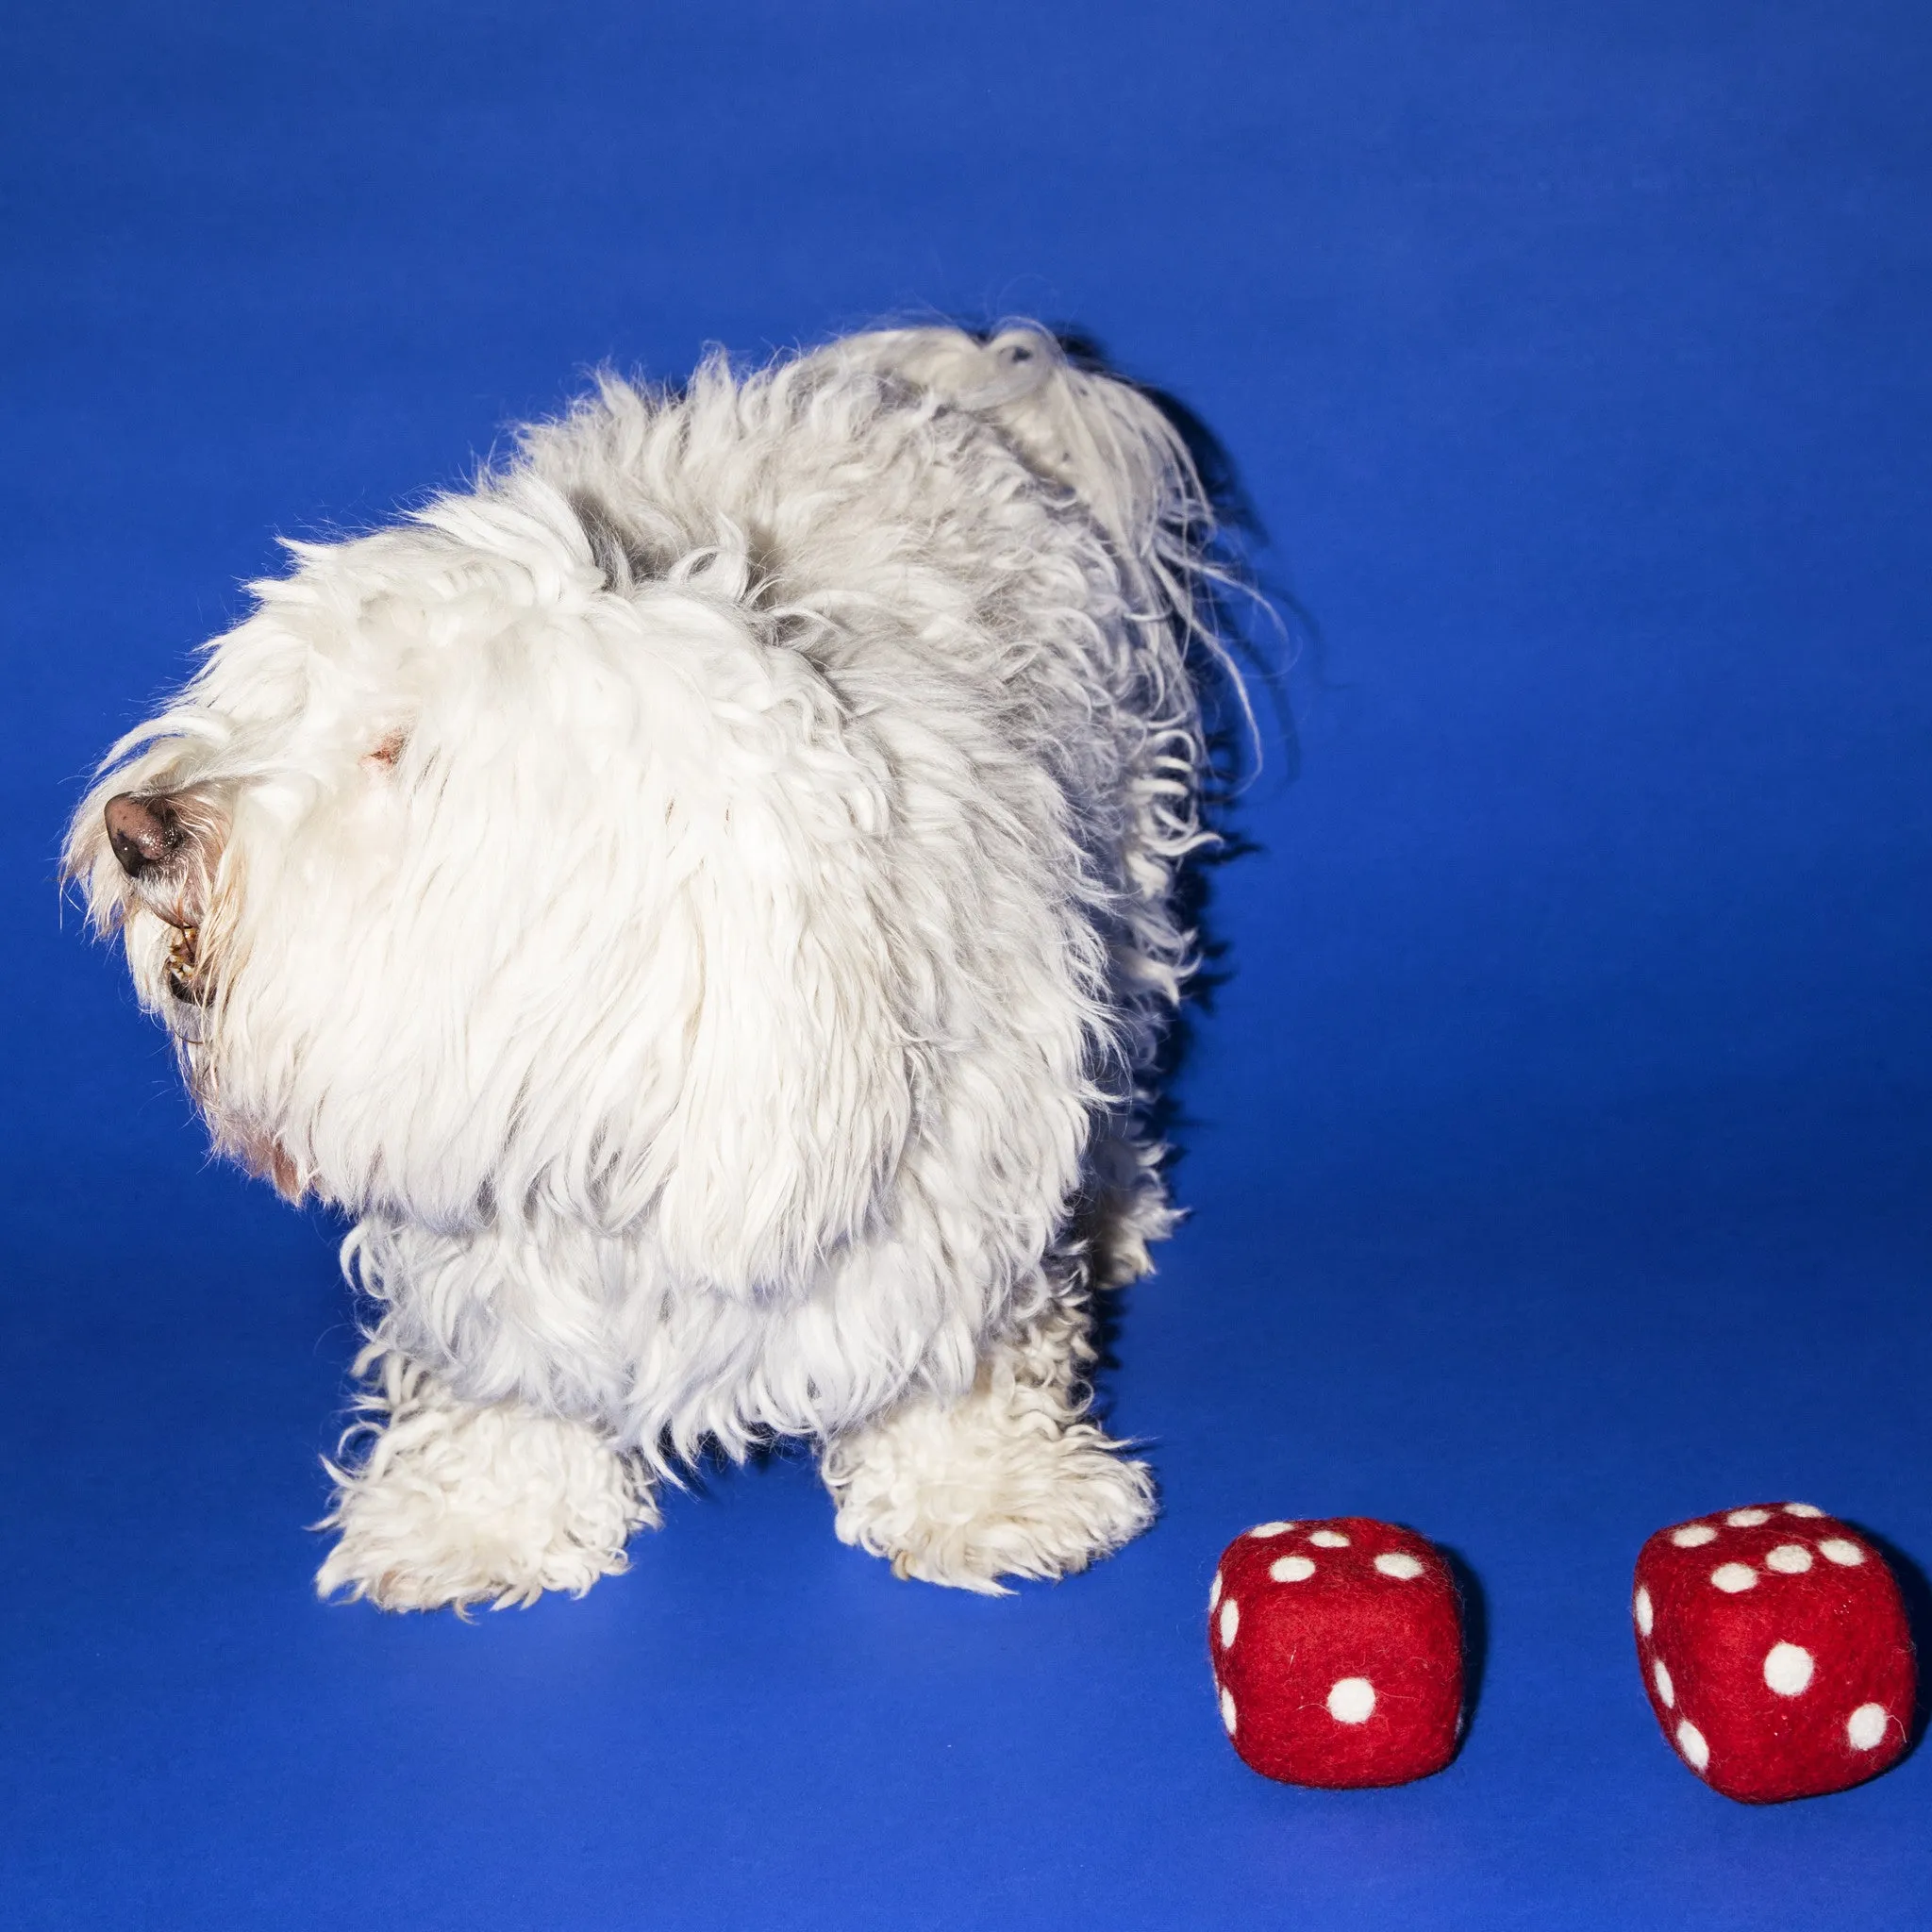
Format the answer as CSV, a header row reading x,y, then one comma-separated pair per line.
x,y
186,980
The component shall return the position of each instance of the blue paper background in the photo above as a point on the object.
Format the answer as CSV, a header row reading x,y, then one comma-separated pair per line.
x,y
1557,1144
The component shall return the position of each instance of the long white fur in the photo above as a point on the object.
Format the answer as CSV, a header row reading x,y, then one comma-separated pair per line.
x,y
703,899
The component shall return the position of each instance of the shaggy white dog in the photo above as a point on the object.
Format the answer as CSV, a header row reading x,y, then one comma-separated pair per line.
x,y
702,899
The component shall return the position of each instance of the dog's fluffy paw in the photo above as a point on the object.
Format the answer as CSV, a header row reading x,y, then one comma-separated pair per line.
x,y
455,1507
965,1494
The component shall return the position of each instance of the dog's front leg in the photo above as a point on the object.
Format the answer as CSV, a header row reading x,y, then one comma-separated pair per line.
x,y
449,1503
1009,1479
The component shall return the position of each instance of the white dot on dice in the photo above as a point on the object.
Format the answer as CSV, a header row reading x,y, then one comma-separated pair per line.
x,y
1642,1610
1839,1550
1789,1560
1865,1727
1328,1540
1732,1577
1787,1668
1291,1569
1693,1534
1747,1519
1399,1564
1690,1742
1230,1621
1271,1529
1351,1701
1665,1689
1214,1590
1801,1509
1228,1711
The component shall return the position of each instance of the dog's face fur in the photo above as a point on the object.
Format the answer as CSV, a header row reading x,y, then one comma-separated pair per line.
x,y
421,872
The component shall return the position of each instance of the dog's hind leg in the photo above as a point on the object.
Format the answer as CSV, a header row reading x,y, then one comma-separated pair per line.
x,y
1125,1207
450,1503
1011,1479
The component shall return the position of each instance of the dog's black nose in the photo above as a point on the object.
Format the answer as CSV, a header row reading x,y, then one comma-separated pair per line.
x,y
143,832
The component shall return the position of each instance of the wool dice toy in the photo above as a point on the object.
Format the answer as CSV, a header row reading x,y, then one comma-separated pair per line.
x,y
1774,1651
1336,1649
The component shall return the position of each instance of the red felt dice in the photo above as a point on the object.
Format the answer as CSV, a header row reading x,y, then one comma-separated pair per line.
x,y
1774,1649
1338,1652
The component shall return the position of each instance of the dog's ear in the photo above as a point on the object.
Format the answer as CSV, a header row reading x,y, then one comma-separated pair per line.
x,y
797,1096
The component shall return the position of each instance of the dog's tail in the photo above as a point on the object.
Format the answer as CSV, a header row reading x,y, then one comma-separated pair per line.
x,y
1096,436
1115,451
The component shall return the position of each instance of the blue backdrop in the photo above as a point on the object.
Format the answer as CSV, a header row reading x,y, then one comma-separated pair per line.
x,y
1556,1138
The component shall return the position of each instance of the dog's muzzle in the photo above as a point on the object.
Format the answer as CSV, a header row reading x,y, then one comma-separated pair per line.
x,y
153,844
147,834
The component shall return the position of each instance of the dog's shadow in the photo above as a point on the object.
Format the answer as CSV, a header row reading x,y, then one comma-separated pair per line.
x,y
1259,628
1262,629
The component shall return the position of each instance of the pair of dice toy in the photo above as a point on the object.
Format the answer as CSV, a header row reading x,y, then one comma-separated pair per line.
x,y
1771,1639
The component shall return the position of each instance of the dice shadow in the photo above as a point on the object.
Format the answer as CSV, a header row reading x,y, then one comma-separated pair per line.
x,y
1475,1638
1915,1591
